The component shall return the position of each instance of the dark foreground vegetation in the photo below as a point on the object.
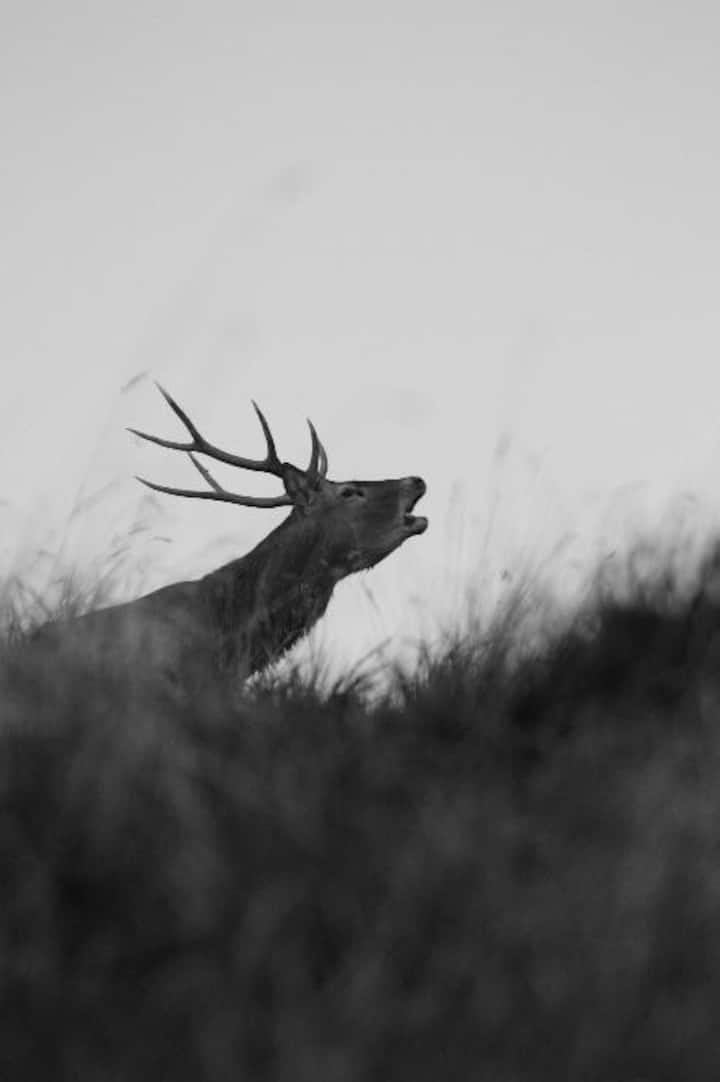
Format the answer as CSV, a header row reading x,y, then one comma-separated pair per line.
x,y
505,868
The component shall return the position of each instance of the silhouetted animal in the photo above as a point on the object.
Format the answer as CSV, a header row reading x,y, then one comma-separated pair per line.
x,y
249,611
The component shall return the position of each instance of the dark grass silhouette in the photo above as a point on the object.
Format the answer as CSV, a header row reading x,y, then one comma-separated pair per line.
x,y
506,866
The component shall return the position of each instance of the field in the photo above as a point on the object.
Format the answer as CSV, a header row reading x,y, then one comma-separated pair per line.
x,y
505,867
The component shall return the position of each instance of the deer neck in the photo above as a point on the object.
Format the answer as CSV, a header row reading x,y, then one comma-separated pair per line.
x,y
262,603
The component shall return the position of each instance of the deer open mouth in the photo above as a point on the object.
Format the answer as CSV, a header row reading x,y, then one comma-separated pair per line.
x,y
415,523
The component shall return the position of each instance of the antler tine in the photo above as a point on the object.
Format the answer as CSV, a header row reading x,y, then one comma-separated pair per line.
x,y
217,491
272,455
180,412
323,461
270,464
231,497
205,473
318,459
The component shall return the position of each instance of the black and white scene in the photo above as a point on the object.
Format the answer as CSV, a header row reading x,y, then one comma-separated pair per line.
x,y
360,541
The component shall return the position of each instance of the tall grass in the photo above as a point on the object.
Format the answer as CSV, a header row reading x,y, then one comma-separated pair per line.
x,y
503,867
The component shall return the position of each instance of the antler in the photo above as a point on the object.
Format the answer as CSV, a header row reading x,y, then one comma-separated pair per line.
x,y
270,464
318,460
199,445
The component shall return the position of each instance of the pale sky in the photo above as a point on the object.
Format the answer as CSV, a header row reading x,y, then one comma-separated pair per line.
x,y
476,242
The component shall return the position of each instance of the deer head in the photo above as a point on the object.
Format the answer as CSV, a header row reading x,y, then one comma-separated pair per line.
x,y
355,524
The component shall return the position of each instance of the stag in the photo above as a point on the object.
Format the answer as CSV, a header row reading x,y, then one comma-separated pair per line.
x,y
247,613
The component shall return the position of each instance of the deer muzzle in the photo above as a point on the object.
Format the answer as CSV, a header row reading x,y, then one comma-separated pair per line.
x,y
416,488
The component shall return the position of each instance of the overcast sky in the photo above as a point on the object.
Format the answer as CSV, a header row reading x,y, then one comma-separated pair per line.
x,y
474,241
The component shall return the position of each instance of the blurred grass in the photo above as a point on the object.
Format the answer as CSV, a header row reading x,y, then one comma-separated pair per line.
x,y
503,867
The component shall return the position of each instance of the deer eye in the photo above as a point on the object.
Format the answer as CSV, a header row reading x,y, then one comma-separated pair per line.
x,y
349,491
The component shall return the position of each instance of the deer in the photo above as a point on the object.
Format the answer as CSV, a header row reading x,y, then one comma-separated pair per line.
x,y
243,616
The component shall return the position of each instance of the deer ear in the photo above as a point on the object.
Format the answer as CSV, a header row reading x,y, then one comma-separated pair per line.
x,y
298,487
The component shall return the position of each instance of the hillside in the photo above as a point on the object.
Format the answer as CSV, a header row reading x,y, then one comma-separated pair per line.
x,y
505,868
